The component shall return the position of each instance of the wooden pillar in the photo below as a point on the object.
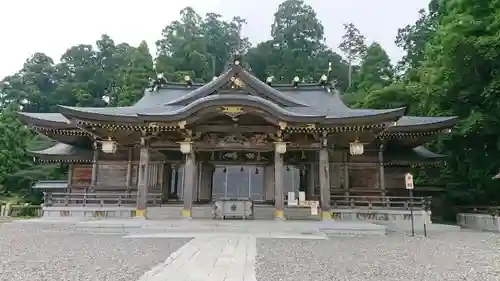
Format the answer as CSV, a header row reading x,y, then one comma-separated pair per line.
x,y
269,183
176,181
166,173
143,180
279,196
129,168
311,181
302,178
70,178
189,185
205,191
346,175
197,180
324,183
95,167
381,171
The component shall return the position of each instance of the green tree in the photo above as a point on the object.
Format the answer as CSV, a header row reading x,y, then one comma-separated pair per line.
x,y
375,71
135,76
353,46
14,138
33,86
414,38
198,47
296,49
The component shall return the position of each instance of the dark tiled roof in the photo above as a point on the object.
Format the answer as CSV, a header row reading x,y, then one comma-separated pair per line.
x,y
173,101
418,154
415,123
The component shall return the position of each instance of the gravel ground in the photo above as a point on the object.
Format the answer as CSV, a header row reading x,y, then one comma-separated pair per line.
x,y
58,253
453,256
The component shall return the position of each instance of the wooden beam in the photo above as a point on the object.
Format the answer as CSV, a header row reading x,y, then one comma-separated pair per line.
x,y
234,129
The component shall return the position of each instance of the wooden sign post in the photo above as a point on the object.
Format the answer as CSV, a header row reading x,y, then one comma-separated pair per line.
x,y
409,186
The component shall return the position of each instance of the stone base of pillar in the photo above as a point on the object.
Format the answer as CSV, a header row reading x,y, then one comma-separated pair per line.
x,y
279,215
141,213
186,213
326,215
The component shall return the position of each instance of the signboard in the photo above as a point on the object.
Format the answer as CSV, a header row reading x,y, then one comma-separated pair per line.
x,y
314,208
409,181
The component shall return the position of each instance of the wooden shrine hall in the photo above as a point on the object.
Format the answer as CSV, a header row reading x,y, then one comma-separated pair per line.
x,y
236,137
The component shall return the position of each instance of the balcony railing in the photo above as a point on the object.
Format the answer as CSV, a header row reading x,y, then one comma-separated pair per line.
x,y
380,202
98,199
155,199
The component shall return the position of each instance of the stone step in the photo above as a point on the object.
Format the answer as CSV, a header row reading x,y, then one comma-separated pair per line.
x,y
205,212
350,228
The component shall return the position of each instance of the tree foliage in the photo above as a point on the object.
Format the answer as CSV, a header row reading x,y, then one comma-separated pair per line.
x,y
353,46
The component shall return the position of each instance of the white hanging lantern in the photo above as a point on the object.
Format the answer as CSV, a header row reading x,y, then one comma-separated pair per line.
x,y
185,147
109,146
356,148
280,147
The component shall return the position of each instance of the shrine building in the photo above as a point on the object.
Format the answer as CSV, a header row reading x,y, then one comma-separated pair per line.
x,y
185,145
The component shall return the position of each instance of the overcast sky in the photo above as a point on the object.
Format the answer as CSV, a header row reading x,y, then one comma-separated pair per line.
x,y
51,26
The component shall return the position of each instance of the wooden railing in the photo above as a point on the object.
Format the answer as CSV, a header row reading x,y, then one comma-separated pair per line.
x,y
25,210
155,199
490,210
380,202
98,199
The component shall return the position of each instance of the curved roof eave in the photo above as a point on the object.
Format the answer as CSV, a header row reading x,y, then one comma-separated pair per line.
x,y
209,87
421,123
419,154
104,114
426,153
46,120
367,116
62,149
232,100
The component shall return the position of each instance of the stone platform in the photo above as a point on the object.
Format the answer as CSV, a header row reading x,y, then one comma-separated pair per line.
x,y
194,228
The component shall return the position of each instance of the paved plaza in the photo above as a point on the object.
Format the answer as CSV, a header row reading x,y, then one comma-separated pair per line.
x,y
236,250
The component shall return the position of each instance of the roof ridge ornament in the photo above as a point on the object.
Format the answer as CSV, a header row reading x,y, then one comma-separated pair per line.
x,y
188,80
155,84
269,80
237,58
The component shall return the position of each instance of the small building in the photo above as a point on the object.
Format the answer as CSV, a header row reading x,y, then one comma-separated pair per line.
x,y
236,137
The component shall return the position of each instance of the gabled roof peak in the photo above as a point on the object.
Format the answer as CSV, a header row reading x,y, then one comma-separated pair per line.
x,y
234,78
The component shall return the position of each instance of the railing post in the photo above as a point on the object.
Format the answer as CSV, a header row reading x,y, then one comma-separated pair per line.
x,y
49,198
388,202
84,203
353,205
101,202
406,205
66,200
370,204
119,201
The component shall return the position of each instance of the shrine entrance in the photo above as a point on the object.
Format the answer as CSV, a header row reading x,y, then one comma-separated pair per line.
x,y
238,182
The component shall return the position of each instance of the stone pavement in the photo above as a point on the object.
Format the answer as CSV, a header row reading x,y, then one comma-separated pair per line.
x,y
220,251
209,259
